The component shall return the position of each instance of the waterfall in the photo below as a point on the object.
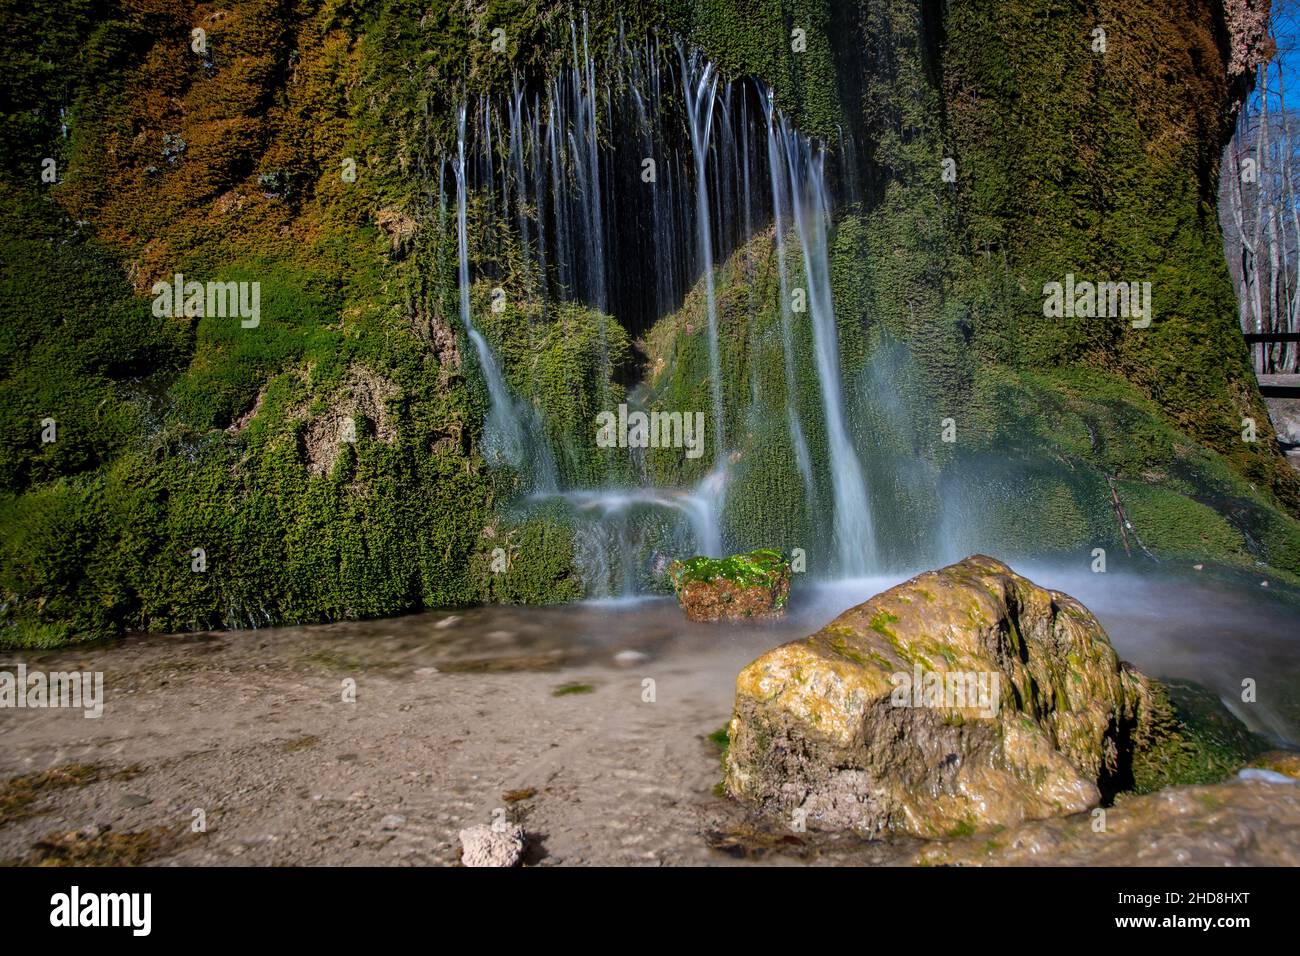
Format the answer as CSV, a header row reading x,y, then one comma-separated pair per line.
x,y
854,536
775,161
622,529
700,86
505,436
621,190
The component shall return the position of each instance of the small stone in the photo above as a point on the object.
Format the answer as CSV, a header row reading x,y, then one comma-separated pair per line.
x,y
392,821
447,622
630,657
483,846
135,800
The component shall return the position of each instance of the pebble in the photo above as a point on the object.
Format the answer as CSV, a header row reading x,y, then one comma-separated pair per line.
x,y
482,845
392,821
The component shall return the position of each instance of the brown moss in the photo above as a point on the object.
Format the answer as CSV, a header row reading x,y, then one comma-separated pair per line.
x,y
19,795
105,848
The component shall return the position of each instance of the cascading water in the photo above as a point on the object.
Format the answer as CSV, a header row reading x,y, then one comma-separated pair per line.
x,y
776,167
563,167
624,531
700,86
505,436
854,534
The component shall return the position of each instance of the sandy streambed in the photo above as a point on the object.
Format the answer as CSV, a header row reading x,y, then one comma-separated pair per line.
x,y
546,715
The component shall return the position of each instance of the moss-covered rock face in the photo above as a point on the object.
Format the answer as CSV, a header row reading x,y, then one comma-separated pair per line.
x,y
735,588
1043,195
962,699
329,463
1189,737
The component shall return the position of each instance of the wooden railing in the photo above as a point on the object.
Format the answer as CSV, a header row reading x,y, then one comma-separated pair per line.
x,y
1276,386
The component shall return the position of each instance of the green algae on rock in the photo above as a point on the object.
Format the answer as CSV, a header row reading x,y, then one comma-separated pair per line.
x,y
738,587
821,730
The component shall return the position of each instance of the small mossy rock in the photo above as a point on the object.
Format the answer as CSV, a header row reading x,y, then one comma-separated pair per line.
x,y
818,726
736,588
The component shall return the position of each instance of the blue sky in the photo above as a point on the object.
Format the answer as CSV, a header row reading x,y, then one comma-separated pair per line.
x,y
1286,30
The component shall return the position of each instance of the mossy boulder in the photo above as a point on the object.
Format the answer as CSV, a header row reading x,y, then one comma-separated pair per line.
x,y
962,699
736,588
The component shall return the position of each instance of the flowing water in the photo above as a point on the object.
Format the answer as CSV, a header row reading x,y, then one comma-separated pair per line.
x,y
508,437
854,536
775,162
625,189
700,87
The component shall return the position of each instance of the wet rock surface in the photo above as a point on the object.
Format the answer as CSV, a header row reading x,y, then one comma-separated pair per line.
x,y
1237,822
960,700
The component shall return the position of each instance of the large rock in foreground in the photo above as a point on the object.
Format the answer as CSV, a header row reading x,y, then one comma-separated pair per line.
x,y
964,698
738,588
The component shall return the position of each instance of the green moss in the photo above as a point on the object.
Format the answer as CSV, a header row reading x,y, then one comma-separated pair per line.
x,y
721,738
761,568
572,688
1037,206
880,622
963,829
538,560
1188,737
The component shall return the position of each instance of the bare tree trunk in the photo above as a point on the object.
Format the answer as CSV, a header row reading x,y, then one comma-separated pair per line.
x,y
1292,352
1270,349
1261,159
1237,203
